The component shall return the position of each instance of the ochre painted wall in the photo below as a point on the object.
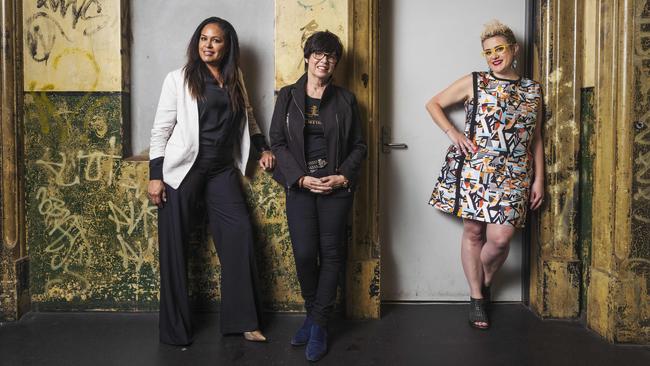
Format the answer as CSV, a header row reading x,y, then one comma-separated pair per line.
x,y
555,265
619,296
72,45
14,292
295,21
91,232
591,248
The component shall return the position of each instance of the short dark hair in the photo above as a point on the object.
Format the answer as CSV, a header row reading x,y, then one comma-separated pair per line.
x,y
323,41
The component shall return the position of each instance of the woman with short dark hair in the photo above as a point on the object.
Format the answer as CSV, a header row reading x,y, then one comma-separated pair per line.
x,y
202,132
316,136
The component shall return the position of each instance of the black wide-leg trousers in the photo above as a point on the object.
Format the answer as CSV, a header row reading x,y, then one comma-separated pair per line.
x,y
317,225
219,194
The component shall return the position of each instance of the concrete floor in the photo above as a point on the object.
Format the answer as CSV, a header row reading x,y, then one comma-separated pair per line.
x,y
406,335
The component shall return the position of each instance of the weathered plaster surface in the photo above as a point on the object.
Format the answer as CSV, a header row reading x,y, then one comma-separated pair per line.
x,y
356,24
8,295
72,45
555,268
618,295
89,225
633,308
92,231
295,21
92,234
587,121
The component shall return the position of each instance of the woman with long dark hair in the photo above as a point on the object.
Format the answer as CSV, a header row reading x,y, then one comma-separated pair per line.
x,y
494,170
201,135
316,135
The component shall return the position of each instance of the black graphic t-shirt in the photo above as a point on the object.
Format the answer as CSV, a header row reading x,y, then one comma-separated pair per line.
x,y
315,146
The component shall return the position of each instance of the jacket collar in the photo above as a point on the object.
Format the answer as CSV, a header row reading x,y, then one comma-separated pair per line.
x,y
300,94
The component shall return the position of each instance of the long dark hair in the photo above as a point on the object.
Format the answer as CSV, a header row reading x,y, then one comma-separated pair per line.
x,y
196,72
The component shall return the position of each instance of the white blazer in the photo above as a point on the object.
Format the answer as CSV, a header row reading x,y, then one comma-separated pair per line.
x,y
175,132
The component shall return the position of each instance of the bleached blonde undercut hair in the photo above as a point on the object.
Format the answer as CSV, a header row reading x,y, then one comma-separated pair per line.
x,y
495,28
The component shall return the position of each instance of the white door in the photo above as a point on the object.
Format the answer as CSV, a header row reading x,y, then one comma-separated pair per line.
x,y
426,45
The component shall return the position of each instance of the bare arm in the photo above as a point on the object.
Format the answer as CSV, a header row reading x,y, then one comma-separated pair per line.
x,y
457,92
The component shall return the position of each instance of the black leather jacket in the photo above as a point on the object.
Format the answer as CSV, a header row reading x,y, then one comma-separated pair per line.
x,y
339,114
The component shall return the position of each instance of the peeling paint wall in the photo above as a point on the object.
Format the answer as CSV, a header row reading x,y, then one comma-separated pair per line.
x,y
72,45
555,266
355,22
363,80
91,232
633,304
587,121
597,170
14,294
295,21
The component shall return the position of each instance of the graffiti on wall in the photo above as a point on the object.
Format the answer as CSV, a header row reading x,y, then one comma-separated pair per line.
x,y
295,22
68,246
92,230
640,256
89,224
70,45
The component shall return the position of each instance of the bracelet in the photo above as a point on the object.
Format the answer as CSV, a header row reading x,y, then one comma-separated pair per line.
x,y
300,181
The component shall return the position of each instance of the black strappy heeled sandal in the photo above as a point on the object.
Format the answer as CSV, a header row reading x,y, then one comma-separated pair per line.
x,y
478,313
487,296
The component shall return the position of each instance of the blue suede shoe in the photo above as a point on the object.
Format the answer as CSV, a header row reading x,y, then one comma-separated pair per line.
x,y
302,335
317,345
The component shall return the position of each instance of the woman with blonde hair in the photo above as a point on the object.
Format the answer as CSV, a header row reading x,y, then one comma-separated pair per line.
x,y
494,170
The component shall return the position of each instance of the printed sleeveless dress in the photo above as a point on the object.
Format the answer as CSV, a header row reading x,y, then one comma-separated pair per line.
x,y
493,184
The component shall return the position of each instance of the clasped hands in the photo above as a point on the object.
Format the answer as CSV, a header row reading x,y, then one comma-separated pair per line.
x,y
324,185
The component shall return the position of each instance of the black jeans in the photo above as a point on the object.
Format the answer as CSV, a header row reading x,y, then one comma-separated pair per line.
x,y
217,191
317,224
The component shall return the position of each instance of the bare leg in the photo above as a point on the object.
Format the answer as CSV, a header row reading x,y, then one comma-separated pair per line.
x,y
470,255
495,251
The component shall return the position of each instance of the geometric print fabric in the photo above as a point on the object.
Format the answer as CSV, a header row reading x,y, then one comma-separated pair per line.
x,y
493,184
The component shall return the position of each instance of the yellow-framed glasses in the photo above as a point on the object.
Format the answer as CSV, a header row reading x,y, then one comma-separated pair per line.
x,y
498,50
331,58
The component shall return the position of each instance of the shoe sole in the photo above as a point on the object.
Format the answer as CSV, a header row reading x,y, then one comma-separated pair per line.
x,y
471,324
316,359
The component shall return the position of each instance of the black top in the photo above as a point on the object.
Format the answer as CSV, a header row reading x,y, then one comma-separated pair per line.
x,y
315,144
339,114
217,130
217,125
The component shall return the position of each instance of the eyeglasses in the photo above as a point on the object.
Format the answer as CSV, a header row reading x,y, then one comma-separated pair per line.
x,y
331,58
498,50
